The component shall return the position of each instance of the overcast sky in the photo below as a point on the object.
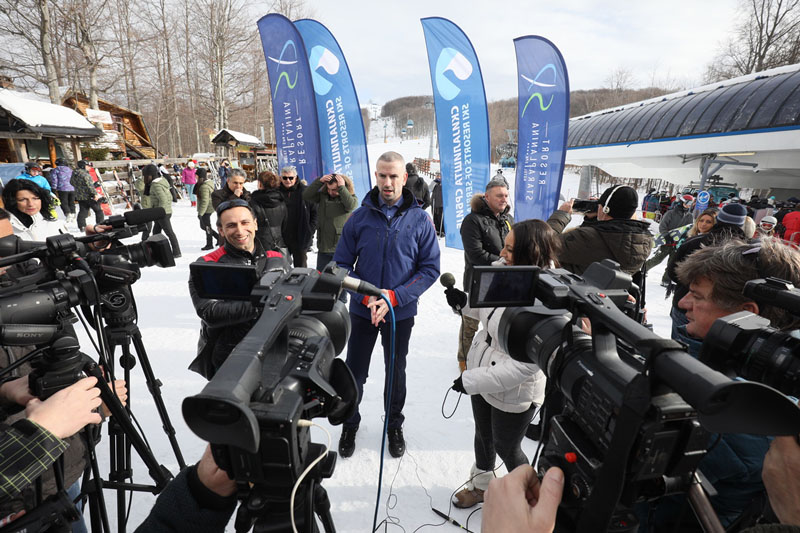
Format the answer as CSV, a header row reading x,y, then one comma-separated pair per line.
x,y
385,48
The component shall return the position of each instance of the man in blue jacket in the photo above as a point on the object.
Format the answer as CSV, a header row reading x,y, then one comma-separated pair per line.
x,y
390,242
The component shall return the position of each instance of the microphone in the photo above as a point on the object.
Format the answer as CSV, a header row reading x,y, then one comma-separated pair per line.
x,y
361,287
143,216
448,280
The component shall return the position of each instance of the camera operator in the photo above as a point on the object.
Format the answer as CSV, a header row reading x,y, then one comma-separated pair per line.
x,y
614,236
716,276
225,323
200,499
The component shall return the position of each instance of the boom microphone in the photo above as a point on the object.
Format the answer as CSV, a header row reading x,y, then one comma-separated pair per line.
x,y
448,280
143,216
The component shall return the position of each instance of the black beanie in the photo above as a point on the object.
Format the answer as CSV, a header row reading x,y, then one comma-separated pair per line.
x,y
150,171
619,201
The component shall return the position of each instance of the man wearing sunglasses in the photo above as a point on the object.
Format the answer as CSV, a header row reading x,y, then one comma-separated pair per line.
x,y
226,322
301,220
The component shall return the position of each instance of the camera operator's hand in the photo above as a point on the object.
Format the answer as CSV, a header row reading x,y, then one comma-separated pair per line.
x,y
117,387
458,385
213,477
566,206
781,475
17,391
518,502
456,299
66,412
94,230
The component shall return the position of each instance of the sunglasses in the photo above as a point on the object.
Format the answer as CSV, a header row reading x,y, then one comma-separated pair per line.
x,y
288,178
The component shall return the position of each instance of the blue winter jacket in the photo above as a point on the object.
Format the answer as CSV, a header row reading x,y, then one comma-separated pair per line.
x,y
401,254
39,180
59,178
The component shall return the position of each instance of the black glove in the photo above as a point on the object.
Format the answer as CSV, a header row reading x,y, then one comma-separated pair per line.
x,y
458,385
456,299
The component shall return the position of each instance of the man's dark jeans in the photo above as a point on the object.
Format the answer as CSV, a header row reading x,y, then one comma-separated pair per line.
x,y
359,352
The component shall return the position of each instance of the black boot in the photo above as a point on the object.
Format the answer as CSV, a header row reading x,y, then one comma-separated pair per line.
x,y
347,442
397,444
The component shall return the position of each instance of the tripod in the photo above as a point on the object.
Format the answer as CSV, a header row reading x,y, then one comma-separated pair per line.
x,y
120,315
268,508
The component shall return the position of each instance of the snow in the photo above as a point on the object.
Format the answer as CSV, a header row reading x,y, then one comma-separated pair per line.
x,y
37,113
438,428
243,138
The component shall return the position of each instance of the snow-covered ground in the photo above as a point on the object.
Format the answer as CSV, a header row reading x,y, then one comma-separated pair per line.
x,y
438,428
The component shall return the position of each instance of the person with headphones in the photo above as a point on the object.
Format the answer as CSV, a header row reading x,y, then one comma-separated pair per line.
x,y
615,235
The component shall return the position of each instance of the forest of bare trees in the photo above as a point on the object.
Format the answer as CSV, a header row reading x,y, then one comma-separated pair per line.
x,y
190,67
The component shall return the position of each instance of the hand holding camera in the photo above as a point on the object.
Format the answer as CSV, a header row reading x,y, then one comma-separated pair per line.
x,y
69,410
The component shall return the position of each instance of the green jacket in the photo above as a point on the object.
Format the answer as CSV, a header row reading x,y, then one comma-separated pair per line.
x,y
143,199
203,192
160,195
331,215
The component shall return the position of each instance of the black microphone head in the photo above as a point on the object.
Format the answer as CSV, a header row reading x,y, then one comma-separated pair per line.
x,y
448,280
143,216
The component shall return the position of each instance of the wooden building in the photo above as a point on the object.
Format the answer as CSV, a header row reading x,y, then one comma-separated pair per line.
x,y
33,128
124,132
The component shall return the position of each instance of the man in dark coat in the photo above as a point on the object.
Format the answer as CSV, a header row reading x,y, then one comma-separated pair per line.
x,y
301,220
483,233
614,236
233,188
226,322
417,186
437,206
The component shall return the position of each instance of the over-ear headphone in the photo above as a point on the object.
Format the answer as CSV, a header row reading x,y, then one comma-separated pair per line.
x,y
606,209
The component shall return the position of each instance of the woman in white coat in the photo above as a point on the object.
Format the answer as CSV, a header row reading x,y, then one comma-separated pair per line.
x,y
504,393
30,207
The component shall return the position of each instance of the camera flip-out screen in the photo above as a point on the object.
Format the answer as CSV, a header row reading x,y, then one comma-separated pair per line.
x,y
223,281
505,286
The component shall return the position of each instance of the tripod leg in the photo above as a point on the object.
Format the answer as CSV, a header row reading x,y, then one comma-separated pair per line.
x,y
322,506
154,385
96,500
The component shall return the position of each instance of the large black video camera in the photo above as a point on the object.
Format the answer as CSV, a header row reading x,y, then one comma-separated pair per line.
x,y
284,370
627,413
743,344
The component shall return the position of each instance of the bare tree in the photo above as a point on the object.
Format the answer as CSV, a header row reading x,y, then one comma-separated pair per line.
x,y
767,37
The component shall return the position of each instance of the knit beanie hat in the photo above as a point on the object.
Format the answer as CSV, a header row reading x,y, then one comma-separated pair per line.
x,y
732,214
619,201
150,171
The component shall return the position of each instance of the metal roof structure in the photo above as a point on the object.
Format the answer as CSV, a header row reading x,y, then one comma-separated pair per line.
x,y
750,123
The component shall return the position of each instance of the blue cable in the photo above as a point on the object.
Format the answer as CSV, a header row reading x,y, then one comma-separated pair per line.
x,y
386,408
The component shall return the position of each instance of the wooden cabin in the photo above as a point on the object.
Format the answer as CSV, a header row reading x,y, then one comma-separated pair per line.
x,y
125,134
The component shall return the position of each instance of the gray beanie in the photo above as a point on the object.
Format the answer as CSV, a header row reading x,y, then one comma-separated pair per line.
x,y
732,214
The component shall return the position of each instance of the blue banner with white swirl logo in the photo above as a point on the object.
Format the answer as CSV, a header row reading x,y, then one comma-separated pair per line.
x,y
341,128
296,133
462,120
542,121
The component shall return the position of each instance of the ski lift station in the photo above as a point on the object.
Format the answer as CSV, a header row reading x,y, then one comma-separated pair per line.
x,y
745,129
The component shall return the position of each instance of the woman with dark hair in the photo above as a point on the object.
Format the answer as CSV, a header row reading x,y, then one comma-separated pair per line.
x,y
157,188
504,393
30,208
271,213
203,189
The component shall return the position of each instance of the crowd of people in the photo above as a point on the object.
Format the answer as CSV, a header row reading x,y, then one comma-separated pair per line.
x,y
389,240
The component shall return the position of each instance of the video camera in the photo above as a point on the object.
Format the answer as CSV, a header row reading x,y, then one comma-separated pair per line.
x,y
284,370
626,413
744,344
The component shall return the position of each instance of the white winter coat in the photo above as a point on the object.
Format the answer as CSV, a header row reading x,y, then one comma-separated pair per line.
x,y
39,230
504,383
